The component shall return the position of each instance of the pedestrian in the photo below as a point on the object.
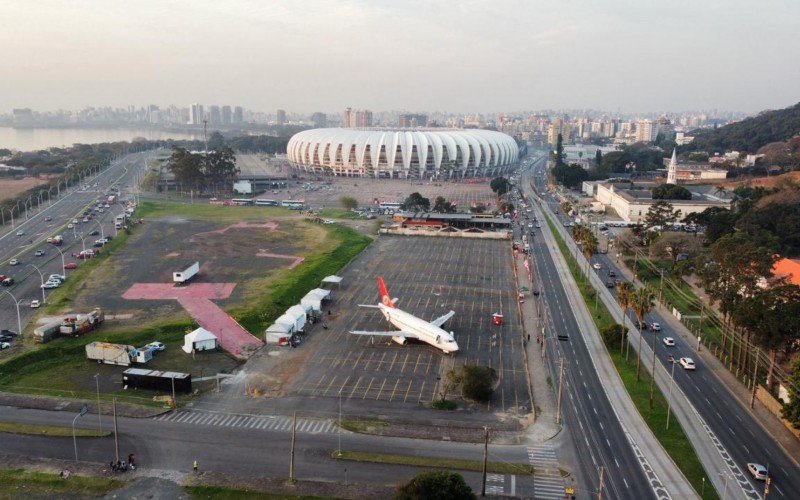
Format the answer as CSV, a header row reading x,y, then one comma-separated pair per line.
x,y
529,337
194,466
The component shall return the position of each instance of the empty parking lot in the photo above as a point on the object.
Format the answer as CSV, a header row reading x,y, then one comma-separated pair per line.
x,y
429,276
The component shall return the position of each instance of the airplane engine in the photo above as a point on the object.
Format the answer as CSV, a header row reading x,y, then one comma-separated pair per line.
x,y
400,340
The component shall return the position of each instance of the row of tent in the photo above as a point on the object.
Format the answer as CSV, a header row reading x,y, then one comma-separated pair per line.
x,y
294,319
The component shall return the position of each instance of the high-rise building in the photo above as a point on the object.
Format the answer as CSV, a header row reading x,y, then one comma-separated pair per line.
x,y
238,115
196,114
226,115
319,119
646,131
346,117
359,118
281,117
409,120
214,116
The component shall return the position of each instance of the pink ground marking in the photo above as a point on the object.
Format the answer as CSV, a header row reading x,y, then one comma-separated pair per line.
x,y
196,299
174,254
297,260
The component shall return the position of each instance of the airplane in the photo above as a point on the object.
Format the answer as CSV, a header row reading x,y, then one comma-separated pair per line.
x,y
410,326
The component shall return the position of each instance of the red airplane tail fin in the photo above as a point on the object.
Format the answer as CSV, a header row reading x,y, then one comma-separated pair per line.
x,y
385,299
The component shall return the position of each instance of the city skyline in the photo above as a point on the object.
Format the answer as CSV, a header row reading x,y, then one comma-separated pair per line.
x,y
377,55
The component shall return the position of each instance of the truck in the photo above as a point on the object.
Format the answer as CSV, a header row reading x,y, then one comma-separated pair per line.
x,y
188,272
47,332
139,378
56,240
111,199
112,354
78,324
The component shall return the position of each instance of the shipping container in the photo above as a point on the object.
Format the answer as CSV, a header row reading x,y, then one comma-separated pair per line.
x,y
138,378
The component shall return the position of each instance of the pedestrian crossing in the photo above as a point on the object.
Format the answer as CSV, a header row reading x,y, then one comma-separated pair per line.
x,y
547,480
495,484
241,421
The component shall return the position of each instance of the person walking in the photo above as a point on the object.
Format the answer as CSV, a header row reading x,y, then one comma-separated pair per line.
x,y
194,466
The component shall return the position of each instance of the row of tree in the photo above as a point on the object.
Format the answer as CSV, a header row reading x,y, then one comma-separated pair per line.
x,y
204,171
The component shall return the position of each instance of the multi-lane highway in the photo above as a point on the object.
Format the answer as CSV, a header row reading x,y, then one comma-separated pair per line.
x,y
53,219
737,429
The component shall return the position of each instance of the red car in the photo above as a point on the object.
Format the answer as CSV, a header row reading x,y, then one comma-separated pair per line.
x,y
71,265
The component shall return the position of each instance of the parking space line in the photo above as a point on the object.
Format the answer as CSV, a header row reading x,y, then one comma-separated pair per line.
x,y
341,388
421,392
355,388
381,389
394,389
368,388
410,383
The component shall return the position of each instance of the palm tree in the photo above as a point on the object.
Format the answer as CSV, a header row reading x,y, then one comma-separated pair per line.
x,y
641,303
624,297
720,190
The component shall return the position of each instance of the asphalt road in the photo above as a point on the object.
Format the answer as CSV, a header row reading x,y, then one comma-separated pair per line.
x,y
738,430
586,411
37,228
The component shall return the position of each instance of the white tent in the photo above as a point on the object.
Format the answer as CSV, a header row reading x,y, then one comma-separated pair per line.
x,y
288,322
277,334
332,280
199,340
299,315
314,298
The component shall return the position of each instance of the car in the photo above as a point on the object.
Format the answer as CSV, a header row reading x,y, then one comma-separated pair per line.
x,y
74,221
156,346
530,225
538,226
758,471
51,284
687,363
85,220
20,232
4,345
597,266
669,341
535,293
70,225
39,253
13,262
100,210
35,304
8,281
71,265
655,327
59,277
94,233
610,284
612,274
48,219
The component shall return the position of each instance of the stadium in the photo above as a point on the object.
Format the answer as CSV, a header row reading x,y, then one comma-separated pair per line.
x,y
403,154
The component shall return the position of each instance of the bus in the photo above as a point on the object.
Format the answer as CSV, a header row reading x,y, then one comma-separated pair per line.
x,y
242,201
293,204
266,203
390,205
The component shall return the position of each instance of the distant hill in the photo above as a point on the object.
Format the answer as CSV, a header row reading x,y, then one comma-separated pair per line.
x,y
749,134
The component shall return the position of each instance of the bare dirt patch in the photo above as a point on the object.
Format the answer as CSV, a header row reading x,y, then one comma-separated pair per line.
x,y
11,187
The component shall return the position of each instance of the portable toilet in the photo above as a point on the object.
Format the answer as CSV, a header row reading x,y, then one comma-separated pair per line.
x,y
497,319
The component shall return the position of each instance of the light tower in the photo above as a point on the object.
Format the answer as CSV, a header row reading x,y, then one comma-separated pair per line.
x,y
672,171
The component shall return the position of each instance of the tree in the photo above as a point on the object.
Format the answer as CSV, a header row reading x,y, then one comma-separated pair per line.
x,y
216,141
478,208
672,244
624,297
187,168
641,304
435,485
612,334
571,175
791,410
441,205
718,222
671,192
416,203
559,150
451,380
348,202
500,186
477,382
219,167
598,159
660,215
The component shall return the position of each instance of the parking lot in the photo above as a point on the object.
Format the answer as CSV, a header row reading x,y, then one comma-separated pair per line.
x,y
429,276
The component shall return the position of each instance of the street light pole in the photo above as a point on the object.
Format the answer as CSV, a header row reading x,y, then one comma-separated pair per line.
x,y
41,276
63,265
19,319
669,398
99,417
74,439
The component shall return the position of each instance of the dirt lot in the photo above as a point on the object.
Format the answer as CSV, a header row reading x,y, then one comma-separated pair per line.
x,y
11,187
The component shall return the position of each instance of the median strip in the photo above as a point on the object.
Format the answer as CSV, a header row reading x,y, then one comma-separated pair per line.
x,y
50,430
438,463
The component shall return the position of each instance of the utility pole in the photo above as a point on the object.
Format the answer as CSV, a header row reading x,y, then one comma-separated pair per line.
x,y
485,457
291,453
558,398
116,435
600,489
755,386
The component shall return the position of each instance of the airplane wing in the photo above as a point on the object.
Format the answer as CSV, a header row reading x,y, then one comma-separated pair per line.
x,y
393,333
441,319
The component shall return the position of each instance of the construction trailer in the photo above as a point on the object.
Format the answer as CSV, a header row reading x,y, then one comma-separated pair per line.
x,y
112,354
78,324
45,333
139,378
277,334
187,273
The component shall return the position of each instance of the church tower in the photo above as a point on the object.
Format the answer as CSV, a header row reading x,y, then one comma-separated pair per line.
x,y
672,171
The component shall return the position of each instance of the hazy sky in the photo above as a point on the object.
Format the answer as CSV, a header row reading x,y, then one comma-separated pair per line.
x,y
462,56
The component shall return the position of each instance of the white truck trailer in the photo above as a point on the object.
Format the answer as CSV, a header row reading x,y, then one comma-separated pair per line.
x,y
188,272
112,354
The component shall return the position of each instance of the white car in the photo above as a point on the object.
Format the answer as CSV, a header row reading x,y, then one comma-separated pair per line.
x,y
74,221
655,327
70,225
597,266
51,284
20,232
156,346
13,262
4,345
669,341
687,363
57,277
35,304
758,471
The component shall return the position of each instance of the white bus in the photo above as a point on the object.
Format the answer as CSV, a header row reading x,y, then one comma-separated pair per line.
x,y
293,204
266,203
390,205
242,201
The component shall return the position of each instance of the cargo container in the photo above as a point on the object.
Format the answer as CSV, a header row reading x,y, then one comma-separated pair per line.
x,y
112,354
45,333
139,378
188,272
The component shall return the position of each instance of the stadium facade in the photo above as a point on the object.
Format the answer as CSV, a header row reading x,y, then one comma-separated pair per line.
x,y
403,154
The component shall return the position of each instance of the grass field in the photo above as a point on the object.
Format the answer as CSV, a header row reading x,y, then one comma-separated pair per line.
x,y
60,368
218,492
12,187
440,463
674,440
49,430
22,484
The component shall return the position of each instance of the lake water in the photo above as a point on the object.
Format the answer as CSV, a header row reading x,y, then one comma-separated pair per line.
x,y
31,139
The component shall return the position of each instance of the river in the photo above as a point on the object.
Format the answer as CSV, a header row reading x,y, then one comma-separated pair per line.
x,y
31,139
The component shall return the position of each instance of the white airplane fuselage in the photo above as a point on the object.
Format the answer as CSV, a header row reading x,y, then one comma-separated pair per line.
x,y
425,331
